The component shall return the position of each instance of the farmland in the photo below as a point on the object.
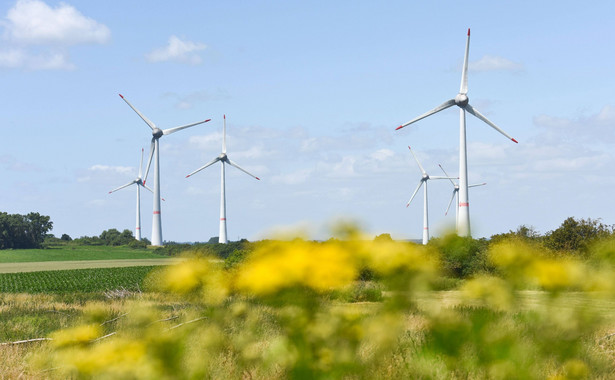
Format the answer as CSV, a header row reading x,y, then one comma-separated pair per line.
x,y
76,253
298,310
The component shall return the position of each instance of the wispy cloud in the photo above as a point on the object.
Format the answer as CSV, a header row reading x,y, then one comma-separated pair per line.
x,y
37,36
177,50
493,63
596,128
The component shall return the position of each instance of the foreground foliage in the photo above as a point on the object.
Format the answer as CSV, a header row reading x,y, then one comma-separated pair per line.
x,y
282,313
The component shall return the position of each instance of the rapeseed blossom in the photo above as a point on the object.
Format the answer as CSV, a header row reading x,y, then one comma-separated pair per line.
x,y
278,265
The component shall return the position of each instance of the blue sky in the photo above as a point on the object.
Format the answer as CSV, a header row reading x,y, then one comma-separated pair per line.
x,y
313,92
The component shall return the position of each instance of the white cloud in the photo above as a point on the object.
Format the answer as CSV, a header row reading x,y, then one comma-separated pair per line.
x,y
596,128
206,142
177,50
295,178
492,63
253,152
112,169
33,22
382,154
341,169
37,36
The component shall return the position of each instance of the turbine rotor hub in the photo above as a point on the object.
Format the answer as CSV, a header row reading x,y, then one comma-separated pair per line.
x,y
461,100
157,133
222,156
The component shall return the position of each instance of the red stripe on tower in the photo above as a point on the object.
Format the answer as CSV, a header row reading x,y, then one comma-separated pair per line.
x,y
464,204
222,218
156,212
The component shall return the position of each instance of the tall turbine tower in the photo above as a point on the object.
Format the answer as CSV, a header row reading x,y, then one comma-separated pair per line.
x,y
157,133
461,100
223,158
139,182
456,194
426,177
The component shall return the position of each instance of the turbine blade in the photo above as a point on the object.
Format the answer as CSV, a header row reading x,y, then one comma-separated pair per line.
x,y
464,74
243,170
173,130
141,165
149,161
123,186
415,191
478,184
440,177
146,120
443,106
450,203
204,166
417,161
479,115
446,174
224,136
150,190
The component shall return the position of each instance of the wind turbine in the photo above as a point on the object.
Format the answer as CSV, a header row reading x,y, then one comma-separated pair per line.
x,y
456,193
139,182
157,133
426,177
461,100
223,159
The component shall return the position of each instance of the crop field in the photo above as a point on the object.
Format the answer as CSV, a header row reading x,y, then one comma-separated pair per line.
x,y
76,253
75,281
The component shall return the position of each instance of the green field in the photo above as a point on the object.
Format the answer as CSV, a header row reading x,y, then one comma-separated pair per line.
x,y
76,253
75,281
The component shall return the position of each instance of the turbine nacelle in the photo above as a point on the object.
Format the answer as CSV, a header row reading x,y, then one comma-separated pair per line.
x,y
222,157
461,100
157,133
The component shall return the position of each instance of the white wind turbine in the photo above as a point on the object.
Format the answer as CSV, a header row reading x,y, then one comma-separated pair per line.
x,y
456,194
139,182
157,133
223,159
461,100
426,177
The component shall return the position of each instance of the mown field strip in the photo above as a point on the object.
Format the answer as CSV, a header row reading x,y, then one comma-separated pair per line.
x,y
82,264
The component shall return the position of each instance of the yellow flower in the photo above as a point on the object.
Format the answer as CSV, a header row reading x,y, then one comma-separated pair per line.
x,y
493,291
77,335
557,274
387,257
278,265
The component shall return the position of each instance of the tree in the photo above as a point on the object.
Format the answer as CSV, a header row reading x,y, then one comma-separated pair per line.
x,y
23,231
383,237
114,237
575,236
523,232
37,227
65,237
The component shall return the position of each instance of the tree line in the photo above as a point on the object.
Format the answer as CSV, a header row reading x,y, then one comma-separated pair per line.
x,y
23,231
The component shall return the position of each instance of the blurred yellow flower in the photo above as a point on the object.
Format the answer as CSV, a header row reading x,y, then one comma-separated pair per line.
x,y
493,291
278,265
77,335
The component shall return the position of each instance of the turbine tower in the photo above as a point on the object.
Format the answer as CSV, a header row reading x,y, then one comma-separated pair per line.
x,y
456,193
426,177
461,100
139,182
157,133
223,159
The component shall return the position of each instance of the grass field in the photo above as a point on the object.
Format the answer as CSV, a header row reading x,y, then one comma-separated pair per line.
x,y
40,266
76,253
